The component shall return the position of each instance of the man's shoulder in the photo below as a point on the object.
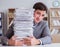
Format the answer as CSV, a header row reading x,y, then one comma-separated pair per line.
x,y
44,22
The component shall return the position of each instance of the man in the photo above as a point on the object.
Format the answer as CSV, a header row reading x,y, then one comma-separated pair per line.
x,y
41,30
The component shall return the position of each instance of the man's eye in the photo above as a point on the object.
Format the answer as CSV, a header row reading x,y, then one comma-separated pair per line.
x,y
42,15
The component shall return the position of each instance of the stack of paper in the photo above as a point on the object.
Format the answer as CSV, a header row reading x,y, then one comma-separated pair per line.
x,y
23,22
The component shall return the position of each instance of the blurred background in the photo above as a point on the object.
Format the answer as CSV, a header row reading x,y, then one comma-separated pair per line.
x,y
7,8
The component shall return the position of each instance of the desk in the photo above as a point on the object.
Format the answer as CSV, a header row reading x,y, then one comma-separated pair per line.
x,y
52,45
47,45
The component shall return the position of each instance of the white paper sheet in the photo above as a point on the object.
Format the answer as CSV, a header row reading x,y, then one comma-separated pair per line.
x,y
23,22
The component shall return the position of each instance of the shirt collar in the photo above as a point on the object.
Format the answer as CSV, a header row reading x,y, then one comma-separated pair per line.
x,y
36,23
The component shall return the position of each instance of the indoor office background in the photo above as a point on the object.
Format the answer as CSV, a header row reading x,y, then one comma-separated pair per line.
x,y
53,21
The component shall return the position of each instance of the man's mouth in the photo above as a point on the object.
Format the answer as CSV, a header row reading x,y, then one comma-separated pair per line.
x,y
37,19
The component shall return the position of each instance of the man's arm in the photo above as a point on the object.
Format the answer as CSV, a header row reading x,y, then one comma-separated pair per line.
x,y
11,37
10,32
46,37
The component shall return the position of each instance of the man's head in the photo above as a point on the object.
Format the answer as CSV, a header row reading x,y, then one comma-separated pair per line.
x,y
40,10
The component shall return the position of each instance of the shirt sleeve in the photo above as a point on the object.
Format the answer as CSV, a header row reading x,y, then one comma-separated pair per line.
x,y
46,37
10,32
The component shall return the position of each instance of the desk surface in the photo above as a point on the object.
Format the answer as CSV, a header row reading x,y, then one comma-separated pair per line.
x,y
52,45
47,45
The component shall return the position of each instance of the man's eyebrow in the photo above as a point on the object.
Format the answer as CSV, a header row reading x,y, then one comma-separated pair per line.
x,y
38,12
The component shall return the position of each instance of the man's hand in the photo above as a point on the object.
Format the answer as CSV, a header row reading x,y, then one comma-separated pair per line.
x,y
14,42
31,41
27,41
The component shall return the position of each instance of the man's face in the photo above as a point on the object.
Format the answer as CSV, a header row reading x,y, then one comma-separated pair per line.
x,y
39,15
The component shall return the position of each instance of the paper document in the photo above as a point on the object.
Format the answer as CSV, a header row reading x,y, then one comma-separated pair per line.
x,y
23,22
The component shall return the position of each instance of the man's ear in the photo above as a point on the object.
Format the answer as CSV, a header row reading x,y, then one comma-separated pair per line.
x,y
44,18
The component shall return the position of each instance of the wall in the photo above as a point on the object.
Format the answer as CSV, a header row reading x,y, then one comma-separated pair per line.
x,y
5,4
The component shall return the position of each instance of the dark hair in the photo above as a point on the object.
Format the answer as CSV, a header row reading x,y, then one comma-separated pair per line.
x,y
40,6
